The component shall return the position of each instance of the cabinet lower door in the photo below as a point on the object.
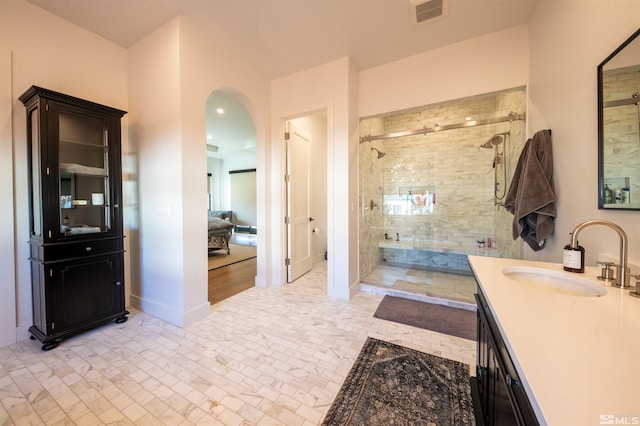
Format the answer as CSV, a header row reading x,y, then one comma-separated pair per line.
x,y
86,291
502,411
482,369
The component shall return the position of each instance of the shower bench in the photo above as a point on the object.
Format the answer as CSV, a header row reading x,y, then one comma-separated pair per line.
x,y
433,255
440,247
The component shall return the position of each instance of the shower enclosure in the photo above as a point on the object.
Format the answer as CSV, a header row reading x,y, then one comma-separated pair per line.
x,y
432,183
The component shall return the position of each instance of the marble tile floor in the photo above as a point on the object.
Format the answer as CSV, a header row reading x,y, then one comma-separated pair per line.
x,y
434,285
274,356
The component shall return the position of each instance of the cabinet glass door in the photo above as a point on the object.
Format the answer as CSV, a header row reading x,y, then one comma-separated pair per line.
x,y
84,174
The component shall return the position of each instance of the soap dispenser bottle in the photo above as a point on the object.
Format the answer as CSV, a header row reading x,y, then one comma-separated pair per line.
x,y
608,194
573,258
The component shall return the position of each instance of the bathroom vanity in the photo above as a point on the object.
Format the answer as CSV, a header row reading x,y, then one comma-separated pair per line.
x,y
554,347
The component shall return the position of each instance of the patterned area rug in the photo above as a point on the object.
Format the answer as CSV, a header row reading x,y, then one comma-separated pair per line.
x,y
393,385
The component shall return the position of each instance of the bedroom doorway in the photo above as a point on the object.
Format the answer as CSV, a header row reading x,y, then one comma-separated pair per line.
x,y
231,154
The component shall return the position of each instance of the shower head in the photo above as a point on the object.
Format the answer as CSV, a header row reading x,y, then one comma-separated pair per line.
x,y
494,141
380,153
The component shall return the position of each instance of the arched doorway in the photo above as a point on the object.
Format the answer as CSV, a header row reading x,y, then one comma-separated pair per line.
x,y
231,195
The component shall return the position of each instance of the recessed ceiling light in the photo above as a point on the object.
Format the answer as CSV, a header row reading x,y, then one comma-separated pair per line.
x,y
220,111
209,137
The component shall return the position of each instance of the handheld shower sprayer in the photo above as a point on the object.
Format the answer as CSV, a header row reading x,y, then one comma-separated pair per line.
x,y
499,188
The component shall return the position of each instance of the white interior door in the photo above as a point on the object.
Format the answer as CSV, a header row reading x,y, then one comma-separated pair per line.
x,y
298,219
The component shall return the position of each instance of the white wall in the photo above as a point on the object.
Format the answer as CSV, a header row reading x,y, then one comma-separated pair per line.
x,y
7,234
569,39
241,161
205,68
328,87
217,188
243,197
49,52
156,140
219,168
484,64
172,73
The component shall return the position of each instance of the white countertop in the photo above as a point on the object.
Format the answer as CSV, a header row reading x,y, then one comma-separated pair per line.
x,y
578,357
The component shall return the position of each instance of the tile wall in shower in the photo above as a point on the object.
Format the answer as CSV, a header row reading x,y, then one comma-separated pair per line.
x,y
452,164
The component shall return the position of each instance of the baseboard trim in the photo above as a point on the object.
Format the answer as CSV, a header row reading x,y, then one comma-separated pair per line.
x,y
167,313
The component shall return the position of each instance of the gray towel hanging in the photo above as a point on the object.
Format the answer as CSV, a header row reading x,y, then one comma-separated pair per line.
x,y
531,197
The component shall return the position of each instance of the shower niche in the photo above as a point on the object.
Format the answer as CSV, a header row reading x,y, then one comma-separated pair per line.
x,y
437,186
410,201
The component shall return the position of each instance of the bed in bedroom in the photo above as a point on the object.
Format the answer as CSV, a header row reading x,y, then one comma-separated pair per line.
x,y
220,230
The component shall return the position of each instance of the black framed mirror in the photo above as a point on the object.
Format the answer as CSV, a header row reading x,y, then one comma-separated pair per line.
x,y
619,127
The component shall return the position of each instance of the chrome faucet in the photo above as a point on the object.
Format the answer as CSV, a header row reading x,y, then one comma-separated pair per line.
x,y
622,271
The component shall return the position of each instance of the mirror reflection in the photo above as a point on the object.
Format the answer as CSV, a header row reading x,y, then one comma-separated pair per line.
x,y
619,127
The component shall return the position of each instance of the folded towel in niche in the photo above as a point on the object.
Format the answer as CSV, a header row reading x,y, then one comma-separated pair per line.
x,y
531,197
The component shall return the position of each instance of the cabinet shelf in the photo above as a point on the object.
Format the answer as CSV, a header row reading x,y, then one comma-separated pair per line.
x,y
79,169
82,230
82,143
85,206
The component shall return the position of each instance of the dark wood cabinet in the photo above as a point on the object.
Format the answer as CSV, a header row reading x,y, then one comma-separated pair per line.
x,y
498,394
76,233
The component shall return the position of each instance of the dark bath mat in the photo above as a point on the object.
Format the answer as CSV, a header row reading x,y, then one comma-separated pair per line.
x,y
389,384
430,316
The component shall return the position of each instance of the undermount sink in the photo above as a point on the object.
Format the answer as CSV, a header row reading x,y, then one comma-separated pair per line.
x,y
557,281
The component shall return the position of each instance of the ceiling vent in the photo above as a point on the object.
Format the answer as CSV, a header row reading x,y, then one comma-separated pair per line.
x,y
422,11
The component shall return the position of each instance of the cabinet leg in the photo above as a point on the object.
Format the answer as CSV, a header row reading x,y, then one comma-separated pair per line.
x,y
32,337
122,319
47,346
